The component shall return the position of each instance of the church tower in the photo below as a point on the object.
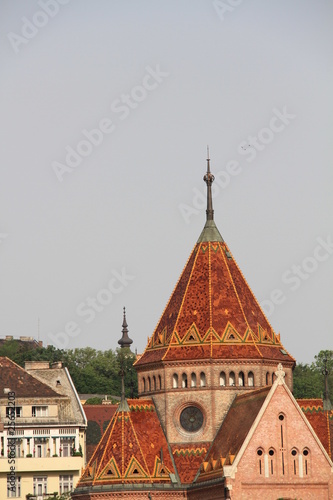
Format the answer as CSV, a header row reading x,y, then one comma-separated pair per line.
x,y
212,342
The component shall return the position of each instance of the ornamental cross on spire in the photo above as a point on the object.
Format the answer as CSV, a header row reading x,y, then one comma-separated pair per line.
x,y
209,179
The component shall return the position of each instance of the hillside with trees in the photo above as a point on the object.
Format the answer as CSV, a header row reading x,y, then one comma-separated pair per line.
x,y
98,372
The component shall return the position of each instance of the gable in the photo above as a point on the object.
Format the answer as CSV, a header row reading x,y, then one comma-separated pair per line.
x,y
282,445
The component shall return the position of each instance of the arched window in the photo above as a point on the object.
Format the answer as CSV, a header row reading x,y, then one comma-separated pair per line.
x,y
282,440
149,384
144,384
154,383
231,378
175,381
273,377
306,462
184,380
159,382
202,379
193,380
260,455
222,379
241,379
267,378
250,379
295,460
271,458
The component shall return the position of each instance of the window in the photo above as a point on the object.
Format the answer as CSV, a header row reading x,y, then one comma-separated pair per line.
x,y
306,457
241,379
250,379
13,486
65,484
260,458
39,411
66,445
271,454
184,380
294,454
160,382
202,379
154,383
175,381
40,485
149,384
13,412
222,379
231,378
267,378
144,384
40,447
193,380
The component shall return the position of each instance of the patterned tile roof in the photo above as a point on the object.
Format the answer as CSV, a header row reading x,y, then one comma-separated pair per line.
x,y
132,450
15,378
188,459
237,424
321,421
212,313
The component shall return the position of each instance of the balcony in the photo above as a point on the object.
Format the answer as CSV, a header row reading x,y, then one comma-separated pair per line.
x,y
45,464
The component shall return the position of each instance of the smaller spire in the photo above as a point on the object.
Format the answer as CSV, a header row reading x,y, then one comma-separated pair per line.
x,y
209,179
125,341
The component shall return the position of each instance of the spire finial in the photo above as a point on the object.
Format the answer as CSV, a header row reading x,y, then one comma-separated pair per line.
x,y
209,179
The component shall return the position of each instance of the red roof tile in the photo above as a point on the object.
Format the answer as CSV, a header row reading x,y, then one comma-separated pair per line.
x,y
188,459
133,449
212,304
320,420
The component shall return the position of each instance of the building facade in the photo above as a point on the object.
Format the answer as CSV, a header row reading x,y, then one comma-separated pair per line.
x,y
215,417
42,430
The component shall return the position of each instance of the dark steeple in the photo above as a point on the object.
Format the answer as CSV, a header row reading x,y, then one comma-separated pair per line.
x,y
210,231
209,179
125,341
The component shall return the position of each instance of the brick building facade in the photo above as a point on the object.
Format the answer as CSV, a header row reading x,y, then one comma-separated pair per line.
x,y
215,417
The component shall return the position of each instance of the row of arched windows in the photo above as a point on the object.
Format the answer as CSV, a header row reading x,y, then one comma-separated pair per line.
x,y
152,383
183,381
232,380
299,462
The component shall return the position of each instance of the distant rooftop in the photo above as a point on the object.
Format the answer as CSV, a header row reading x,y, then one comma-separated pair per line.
x,y
23,339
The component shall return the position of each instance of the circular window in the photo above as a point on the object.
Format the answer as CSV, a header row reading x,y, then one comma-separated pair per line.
x,y
305,453
259,452
271,452
294,453
281,416
191,419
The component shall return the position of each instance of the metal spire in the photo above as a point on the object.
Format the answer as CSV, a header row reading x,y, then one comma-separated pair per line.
x,y
125,341
209,179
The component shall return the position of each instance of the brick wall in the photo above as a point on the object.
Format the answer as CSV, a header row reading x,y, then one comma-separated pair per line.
x,y
287,472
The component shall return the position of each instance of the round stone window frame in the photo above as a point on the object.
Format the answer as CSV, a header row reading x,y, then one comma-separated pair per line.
x,y
178,425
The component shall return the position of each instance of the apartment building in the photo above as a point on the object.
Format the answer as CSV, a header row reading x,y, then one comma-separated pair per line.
x,y
42,430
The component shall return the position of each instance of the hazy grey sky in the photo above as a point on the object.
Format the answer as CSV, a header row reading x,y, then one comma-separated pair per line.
x,y
106,110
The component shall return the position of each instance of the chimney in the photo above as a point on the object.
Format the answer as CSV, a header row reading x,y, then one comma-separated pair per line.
x,y
36,365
